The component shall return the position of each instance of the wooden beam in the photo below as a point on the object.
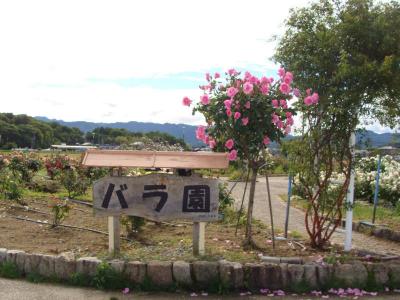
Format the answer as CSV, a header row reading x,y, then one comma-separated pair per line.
x,y
156,159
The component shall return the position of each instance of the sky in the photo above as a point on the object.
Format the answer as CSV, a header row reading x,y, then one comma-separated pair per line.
x,y
109,61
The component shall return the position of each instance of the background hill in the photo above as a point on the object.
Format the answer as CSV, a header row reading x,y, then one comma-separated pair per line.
x,y
187,132
365,139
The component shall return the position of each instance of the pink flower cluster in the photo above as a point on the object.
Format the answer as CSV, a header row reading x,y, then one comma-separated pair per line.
x,y
311,98
236,100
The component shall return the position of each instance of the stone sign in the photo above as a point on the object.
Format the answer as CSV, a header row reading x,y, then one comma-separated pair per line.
x,y
157,197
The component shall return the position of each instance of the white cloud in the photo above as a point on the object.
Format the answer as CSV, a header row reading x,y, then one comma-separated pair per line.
x,y
49,50
65,43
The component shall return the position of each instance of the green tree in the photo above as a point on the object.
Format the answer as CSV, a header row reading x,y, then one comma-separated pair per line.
x,y
349,51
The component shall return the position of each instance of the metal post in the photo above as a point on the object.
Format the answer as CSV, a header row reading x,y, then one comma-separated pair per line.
x,y
350,197
378,172
288,205
114,226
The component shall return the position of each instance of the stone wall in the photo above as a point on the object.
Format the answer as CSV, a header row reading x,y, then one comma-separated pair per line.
x,y
215,276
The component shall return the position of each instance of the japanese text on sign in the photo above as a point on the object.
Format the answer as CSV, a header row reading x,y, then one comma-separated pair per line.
x,y
158,196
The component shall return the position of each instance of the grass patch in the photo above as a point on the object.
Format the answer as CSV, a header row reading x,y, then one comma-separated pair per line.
x,y
362,211
9,270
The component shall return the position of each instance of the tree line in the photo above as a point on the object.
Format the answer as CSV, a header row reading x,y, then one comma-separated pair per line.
x,y
22,131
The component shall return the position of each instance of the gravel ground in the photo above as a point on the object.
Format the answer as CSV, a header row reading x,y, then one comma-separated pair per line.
x,y
278,186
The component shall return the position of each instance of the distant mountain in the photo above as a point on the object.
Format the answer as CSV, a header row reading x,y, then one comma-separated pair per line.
x,y
178,130
365,139
372,139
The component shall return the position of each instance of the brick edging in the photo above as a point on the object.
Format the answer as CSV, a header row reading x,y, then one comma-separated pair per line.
x,y
212,276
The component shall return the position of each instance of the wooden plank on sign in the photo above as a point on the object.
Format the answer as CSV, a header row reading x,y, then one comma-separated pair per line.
x,y
157,197
155,159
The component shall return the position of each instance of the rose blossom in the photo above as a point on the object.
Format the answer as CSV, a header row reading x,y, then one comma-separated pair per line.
x,y
237,115
186,101
229,144
232,91
204,99
245,121
284,88
247,88
232,155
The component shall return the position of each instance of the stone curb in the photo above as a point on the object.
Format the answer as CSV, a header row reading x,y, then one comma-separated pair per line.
x,y
223,275
375,230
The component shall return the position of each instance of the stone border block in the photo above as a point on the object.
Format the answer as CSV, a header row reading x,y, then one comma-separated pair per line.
x,y
46,266
231,275
160,273
31,264
65,266
205,273
87,265
182,274
136,271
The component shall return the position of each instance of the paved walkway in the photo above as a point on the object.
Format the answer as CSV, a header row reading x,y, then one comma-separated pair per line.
x,y
22,290
278,186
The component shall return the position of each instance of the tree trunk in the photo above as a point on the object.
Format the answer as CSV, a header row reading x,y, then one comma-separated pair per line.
x,y
248,240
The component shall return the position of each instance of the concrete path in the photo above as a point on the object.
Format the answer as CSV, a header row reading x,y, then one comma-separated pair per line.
x,y
22,290
278,186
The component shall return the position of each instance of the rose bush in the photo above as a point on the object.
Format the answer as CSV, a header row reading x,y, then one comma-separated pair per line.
x,y
244,114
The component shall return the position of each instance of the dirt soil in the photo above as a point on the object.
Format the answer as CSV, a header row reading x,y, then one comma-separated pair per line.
x,y
164,242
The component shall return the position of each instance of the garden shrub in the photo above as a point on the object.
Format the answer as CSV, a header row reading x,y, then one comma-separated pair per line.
x,y
9,270
74,183
107,278
46,185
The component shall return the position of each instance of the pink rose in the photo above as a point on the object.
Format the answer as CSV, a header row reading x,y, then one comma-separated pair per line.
x,y
266,140
228,103
308,100
289,121
308,92
229,144
245,121
247,75
247,105
217,75
232,91
288,114
204,99
288,78
284,88
232,155
279,124
212,143
228,112
237,115
264,80
315,98
254,80
247,88
186,101
296,92
275,118
275,103
232,72
283,103
208,77
264,89
200,132
281,72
